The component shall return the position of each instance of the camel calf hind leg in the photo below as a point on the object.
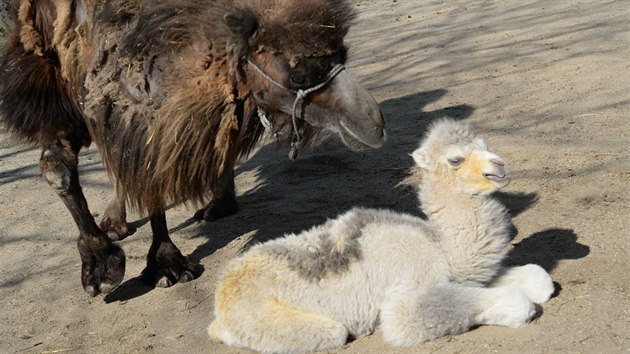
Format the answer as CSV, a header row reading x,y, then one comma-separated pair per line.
x,y
102,262
278,328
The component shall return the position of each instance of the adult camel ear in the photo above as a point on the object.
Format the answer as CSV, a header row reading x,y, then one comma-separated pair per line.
x,y
242,23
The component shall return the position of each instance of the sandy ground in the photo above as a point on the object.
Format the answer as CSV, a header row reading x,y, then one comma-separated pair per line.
x,y
545,82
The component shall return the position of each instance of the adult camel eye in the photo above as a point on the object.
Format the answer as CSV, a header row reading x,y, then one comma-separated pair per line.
x,y
297,79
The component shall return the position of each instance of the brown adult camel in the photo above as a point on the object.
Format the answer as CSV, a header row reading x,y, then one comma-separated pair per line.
x,y
172,93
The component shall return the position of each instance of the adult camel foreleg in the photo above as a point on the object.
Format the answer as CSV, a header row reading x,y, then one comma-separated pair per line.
x,y
102,262
114,221
223,201
165,263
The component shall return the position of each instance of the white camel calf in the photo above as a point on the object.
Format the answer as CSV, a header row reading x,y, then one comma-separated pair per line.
x,y
413,279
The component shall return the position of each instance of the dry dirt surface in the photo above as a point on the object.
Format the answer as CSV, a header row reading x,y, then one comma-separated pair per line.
x,y
547,83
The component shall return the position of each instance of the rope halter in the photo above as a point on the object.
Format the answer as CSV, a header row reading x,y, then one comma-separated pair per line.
x,y
300,95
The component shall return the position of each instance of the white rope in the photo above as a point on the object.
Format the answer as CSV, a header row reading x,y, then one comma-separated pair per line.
x,y
264,120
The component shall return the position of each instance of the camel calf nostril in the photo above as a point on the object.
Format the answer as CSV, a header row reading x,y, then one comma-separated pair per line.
x,y
497,162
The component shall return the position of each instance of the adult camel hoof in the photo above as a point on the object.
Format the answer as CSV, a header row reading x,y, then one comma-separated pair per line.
x,y
116,230
168,266
101,273
216,210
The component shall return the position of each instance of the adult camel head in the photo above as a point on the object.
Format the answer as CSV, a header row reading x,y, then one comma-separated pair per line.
x,y
291,58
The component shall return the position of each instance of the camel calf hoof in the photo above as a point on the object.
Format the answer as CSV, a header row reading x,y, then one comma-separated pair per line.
x,y
509,307
531,279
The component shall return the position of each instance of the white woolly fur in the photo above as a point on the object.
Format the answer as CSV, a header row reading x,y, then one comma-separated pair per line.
x,y
413,279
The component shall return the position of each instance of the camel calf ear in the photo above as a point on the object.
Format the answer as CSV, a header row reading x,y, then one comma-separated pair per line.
x,y
421,159
242,24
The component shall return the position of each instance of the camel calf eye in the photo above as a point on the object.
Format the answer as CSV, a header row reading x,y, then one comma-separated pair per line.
x,y
456,161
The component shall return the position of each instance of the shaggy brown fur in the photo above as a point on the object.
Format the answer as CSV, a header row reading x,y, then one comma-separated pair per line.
x,y
164,90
